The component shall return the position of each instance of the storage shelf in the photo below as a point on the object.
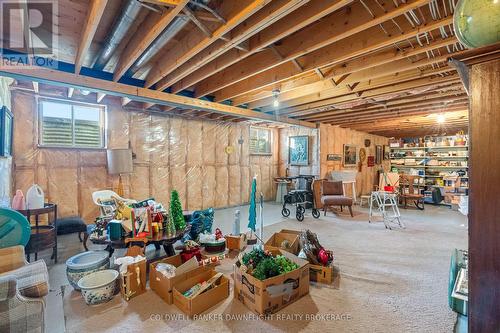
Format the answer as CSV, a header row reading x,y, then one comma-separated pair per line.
x,y
430,148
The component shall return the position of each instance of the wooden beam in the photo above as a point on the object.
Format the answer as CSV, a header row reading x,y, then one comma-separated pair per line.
x,y
398,91
45,75
400,105
391,115
310,103
358,117
323,34
94,16
235,13
366,42
144,37
352,82
378,85
311,12
238,37
309,83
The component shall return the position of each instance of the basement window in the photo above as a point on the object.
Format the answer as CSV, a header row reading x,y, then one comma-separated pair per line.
x,y
67,124
260,141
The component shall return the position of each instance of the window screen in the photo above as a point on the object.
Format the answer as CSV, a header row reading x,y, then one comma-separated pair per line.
x,y
260,140
67,124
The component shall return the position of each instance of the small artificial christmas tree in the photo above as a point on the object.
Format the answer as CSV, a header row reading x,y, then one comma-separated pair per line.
x,y
176,215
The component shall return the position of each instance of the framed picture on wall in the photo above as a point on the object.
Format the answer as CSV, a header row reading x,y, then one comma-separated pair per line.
x,y
6,126
350,155
298,150
378,154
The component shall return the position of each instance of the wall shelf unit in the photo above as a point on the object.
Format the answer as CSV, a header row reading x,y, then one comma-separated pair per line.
x,y
441,161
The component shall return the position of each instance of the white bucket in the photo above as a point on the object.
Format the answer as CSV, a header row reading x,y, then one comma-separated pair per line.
x,y
35,198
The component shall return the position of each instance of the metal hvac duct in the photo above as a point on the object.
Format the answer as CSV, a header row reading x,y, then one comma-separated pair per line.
x,y
170,31
120,27
173,28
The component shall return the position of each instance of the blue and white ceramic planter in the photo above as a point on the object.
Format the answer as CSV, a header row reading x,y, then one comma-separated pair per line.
x,y
85,263
99,287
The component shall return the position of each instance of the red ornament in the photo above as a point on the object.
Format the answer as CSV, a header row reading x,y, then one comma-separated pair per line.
x,y
323,256
218,234
192,252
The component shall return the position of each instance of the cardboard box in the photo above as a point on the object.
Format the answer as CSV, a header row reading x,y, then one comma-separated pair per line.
x,y
236,242
273,294
279,237
204,301
321,274
162,285
317,273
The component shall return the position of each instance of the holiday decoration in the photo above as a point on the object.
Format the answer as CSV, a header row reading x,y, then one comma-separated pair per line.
x,y
176,215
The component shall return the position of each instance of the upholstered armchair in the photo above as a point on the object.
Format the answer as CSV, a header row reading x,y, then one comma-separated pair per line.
x,y
22,289
332,194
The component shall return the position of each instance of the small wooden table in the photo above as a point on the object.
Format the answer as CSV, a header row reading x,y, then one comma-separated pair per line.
x,y
42,236
160,239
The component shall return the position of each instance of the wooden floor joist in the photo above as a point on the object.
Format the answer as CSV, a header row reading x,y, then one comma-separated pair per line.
x,y
323,47
54,77
309,13
350,62
194,42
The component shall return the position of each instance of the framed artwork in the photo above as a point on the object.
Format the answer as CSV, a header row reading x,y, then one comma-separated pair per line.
x,y
378,154
350,155
298,150
6,126
334,157
387,152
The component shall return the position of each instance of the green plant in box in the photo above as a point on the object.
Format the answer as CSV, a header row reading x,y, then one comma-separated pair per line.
x,y
176,211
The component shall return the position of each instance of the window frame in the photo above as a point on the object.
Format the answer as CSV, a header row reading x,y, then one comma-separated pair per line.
x,y
102,122
271,138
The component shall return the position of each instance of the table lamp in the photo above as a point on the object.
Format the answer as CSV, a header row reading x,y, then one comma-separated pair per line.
x,y
119,162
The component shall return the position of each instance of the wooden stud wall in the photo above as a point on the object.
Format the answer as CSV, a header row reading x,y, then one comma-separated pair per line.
x,y
332,140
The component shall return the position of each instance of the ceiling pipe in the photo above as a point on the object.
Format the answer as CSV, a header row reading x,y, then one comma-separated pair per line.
x,y
120,27
170,31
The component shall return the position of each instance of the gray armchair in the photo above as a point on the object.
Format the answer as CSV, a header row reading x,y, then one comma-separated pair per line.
x,y
22,289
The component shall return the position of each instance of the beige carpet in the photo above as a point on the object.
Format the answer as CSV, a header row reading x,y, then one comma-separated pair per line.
x,y
390,281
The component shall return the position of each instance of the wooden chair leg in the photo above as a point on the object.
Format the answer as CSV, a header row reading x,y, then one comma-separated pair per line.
x,y
324,210
85,238
341,208
350,210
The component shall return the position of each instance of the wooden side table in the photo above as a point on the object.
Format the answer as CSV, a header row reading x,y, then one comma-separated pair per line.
x,y
42,236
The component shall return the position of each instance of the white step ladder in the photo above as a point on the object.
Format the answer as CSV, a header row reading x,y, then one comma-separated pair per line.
x,y
388,208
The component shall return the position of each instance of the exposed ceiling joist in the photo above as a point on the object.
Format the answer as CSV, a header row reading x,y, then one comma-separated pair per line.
x,y
354,46
309,13
194,42
94,16
316,83
318,39
144,37
240,34
55,77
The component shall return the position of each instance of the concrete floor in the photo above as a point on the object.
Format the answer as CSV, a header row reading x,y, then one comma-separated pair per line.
x,y
400,271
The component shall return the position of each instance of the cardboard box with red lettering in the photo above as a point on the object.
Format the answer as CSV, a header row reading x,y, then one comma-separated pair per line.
x,y
272,294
